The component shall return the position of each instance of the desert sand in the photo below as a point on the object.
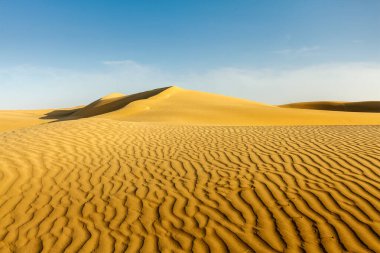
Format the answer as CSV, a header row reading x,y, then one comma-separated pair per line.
x,y
174,170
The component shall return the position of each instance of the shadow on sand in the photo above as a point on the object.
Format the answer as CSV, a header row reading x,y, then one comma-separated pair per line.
x,y
100,106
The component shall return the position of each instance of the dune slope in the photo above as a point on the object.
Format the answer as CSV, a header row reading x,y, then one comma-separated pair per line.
x,y
100,185
112,102
181,106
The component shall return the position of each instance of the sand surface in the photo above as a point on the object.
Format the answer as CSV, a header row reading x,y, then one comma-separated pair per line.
x,y
10,120
115,176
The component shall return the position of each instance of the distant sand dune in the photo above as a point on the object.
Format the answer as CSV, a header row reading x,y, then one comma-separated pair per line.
x,y
365,106
98,185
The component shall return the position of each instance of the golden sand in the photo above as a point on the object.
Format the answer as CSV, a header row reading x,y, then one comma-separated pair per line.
x,y
171,170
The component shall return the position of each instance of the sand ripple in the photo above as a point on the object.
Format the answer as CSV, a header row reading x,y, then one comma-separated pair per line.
x,y
99,185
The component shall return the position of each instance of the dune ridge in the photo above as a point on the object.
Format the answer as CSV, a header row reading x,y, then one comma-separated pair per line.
x,y
99,185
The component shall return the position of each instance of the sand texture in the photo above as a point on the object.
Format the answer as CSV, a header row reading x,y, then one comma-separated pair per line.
x,y
114,176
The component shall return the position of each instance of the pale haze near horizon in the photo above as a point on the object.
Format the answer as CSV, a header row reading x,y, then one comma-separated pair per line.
x,y
56,54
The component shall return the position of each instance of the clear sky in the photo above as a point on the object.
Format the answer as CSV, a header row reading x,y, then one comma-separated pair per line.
x,y
61,53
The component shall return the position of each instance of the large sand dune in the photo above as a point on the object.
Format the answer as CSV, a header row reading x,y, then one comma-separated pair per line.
x,y
180,106
171,170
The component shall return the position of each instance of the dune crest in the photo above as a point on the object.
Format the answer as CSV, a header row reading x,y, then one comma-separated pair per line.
x,y
113,95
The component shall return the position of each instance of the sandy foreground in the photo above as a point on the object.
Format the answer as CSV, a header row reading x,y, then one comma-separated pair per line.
x,y
172,170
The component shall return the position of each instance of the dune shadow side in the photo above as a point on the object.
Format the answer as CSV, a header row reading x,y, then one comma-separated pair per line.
x,y
59,114
100,106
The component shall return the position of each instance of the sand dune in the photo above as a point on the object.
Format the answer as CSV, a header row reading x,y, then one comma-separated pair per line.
x,y
180,106
174,105
364,106
171,170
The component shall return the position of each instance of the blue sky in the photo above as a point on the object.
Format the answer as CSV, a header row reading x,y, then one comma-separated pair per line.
x,y
61,53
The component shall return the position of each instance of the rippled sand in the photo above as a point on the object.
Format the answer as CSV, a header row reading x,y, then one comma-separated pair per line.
x,y
101,185
105,185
